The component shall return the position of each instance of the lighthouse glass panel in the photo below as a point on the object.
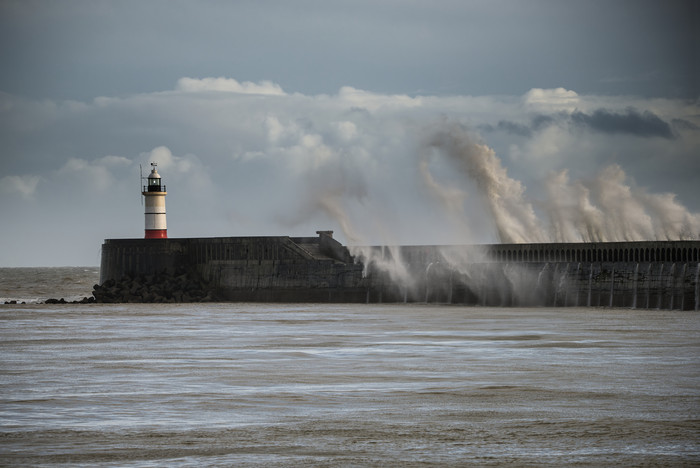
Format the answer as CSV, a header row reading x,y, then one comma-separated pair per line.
x,y
154,185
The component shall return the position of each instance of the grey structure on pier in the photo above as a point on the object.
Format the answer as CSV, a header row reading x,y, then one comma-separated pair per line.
x,y
657,274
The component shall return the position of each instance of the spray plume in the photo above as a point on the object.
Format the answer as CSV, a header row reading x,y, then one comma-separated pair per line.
x,y
610,209
513,216
607,209
604,209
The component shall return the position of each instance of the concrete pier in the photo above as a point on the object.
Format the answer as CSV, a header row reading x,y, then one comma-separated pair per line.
x,y
656,275
260,269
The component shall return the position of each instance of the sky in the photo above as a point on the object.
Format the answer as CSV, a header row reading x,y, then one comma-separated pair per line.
x,y
389,122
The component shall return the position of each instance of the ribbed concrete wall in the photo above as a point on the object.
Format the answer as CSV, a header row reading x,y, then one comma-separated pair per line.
x,y
645,251
668,251
622,274
654,285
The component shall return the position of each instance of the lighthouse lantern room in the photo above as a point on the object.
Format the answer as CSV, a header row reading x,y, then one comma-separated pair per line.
x,y
155,194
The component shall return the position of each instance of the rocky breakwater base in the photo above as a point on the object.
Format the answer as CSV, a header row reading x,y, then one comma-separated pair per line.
x,y
85,300
157,288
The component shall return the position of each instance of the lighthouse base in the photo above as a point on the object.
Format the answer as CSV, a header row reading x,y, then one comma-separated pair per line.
x,y
156,233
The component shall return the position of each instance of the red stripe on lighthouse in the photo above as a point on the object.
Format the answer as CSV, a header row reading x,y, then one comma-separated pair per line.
x,y
156,233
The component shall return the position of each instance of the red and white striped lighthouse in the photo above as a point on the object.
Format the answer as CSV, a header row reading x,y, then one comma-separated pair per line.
x,y
155,206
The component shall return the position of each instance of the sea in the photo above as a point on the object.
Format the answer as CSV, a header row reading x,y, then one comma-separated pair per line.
x,y
252,385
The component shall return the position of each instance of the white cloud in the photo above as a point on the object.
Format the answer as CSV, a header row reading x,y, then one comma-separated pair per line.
x,y
98,175
551,143
161,155
365,100
275,130
228,85
551,99
346,130
187,172
114,161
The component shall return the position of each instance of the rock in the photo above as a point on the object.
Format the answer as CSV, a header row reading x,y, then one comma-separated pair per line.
x,y
165,287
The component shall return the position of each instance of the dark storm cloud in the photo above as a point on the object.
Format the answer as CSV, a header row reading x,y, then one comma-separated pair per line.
x,y
537,123
542,121
632,122
643,124
682,124
509,127
514,128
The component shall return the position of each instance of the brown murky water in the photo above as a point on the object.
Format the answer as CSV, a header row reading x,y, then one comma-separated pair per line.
x,y
359,385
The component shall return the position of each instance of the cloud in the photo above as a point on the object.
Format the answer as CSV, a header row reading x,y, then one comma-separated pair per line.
x,y
551,99
373,101
228,85
632,122
536,123
187,172
98,175
682,125
644,124
514,128
24,186
357,161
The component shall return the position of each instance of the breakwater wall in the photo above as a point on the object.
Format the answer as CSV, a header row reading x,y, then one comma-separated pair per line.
x,y
662,275
257,269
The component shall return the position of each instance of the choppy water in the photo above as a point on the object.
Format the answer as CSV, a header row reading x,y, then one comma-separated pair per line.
x,y
357,385
32,285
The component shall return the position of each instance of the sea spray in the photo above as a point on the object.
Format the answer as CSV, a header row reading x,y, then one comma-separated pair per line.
x,y
672,286
590,286
578,291
514,217
605,208
682,279
612,285
697,287
648,286
635,282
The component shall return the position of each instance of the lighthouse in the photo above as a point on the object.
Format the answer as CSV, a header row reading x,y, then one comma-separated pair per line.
x,y
155,206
